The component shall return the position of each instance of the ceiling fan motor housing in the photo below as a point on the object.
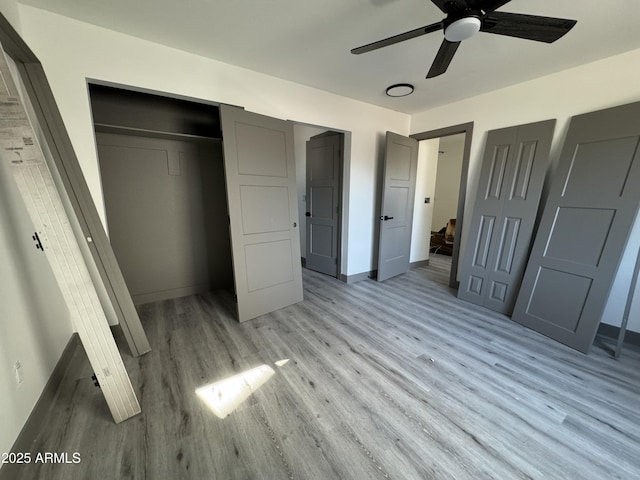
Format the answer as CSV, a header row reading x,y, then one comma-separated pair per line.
x,y
458,29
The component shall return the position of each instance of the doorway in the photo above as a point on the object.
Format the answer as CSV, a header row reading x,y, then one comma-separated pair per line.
x,y
440,198
441,169
161,166
320,163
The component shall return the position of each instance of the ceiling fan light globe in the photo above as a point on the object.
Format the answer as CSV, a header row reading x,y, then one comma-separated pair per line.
x,y
462,29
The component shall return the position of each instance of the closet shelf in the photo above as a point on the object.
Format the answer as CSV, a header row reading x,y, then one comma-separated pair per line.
x,y
122,130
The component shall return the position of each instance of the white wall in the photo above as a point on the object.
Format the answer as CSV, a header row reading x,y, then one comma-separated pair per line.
x,y
9,9
35,324
82,51
614,310
602,84
425,187
445,199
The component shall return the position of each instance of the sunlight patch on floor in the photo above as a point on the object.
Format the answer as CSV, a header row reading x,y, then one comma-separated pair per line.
x,y
224,396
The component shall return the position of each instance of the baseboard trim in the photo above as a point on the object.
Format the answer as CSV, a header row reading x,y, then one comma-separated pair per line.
x,y
33,425
419,263
358,277
611,331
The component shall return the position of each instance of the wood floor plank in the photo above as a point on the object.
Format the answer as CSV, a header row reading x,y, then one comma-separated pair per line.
x,y
393,380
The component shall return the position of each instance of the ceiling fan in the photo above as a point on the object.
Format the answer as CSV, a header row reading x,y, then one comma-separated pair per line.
x,y
465,18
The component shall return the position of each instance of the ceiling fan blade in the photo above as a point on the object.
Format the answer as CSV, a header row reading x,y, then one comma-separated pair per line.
x,y
529,27
398,38
443,58
449,6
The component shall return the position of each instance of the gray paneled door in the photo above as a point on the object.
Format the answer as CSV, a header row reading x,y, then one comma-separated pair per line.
x,y
323,198
583,232
263,209
504,214
400,167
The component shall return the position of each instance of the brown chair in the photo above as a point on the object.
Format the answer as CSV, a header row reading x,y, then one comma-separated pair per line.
x,y
442,241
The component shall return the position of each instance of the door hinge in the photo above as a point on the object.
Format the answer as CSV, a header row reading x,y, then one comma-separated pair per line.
x,y
36,239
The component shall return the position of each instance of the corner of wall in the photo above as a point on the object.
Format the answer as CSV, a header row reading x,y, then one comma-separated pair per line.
x,y
11,11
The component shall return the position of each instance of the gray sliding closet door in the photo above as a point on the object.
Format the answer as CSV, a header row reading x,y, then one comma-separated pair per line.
x,y
591,208
504,214
263,210
396,218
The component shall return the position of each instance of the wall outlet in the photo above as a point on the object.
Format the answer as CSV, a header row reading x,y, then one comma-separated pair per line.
x,y
18,372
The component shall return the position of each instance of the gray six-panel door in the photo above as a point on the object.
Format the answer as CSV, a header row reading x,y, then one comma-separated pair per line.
x,y
591,207
400,167
323,198
507,200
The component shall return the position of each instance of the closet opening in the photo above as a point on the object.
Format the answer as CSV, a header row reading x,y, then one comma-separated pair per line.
x,y
164,190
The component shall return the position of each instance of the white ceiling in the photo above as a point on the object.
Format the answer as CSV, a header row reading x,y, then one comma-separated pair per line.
x,y
308,42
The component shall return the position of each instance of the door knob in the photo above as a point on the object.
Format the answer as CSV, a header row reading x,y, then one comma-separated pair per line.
x,y
308,214
385,218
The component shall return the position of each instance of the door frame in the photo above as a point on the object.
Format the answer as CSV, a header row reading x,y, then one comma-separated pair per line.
x,y
467,129
90,250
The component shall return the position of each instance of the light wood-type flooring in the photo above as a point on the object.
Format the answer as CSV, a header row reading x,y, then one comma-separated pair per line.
x,y
398,380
